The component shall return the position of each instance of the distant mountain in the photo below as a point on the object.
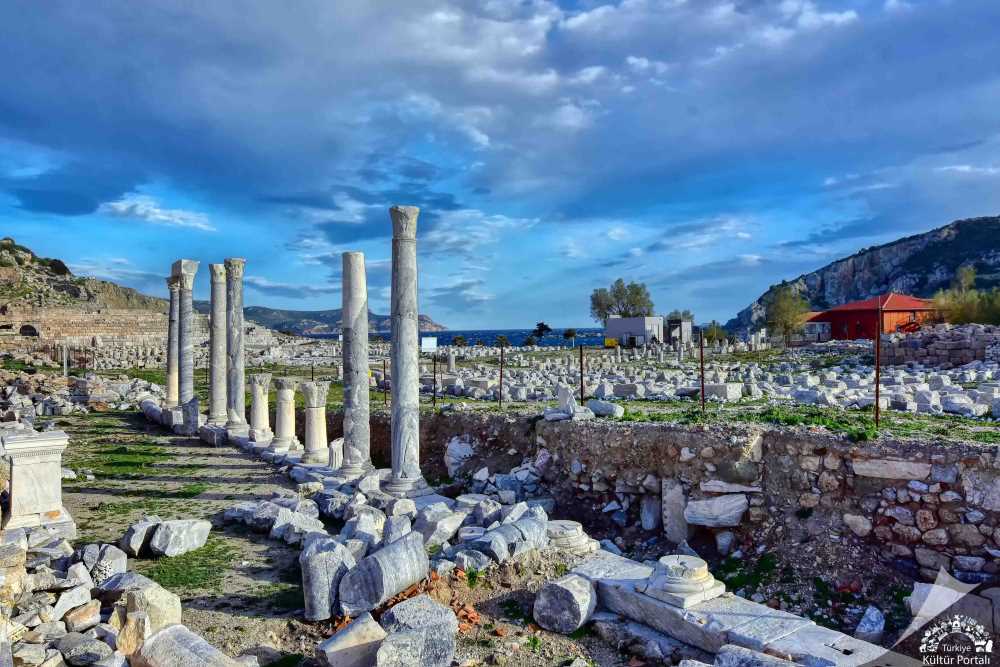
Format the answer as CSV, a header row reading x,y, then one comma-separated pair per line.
x,y
919,265
29,280
311,322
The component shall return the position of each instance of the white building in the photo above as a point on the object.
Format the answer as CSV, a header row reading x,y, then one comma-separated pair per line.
x,y
633,331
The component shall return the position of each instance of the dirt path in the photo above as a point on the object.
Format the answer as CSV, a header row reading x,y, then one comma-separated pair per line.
x,y
242,591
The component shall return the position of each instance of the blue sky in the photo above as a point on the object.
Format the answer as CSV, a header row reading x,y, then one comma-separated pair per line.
x,y
708,148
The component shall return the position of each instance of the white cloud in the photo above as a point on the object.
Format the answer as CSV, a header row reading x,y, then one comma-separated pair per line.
x,y
970,169
289,290
618,233
147,209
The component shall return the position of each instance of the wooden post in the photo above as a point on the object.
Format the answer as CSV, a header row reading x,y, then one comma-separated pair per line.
x,y
500,390
878,362
581,375
701,362
385,384
434,381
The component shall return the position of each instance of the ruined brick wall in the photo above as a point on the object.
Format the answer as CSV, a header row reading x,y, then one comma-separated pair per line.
x,y
918,505
943,345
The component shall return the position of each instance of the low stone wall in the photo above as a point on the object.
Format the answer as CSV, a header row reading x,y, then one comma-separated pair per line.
x,y
943,345
920,505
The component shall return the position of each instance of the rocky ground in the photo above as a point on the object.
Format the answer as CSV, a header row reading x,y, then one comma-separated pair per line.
x,y
242,591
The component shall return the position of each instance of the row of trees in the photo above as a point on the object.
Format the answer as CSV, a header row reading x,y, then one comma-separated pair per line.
x,y
963,303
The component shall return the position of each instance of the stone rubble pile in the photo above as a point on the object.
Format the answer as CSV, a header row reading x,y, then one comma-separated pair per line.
x,y
943,345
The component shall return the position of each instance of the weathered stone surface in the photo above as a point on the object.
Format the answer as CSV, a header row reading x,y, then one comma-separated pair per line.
x,y
135,541
70,599
436,622
176,645
134,633
859,525
323,563
83,617
401,649
891,469
738,656
162,607
565,604
720,511
385,573
355,645
872,625
173,538
115,587
79,649
673,501
110,561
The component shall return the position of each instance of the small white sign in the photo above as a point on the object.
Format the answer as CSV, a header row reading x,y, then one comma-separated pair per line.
x,y
428,343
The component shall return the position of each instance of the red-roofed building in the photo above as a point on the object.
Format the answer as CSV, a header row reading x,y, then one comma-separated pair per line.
x,y
859,319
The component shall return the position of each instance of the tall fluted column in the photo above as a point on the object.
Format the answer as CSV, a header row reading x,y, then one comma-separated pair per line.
x,y
260,421
185,270
173,355
354,350
406,478
217,349
284,416
237,420
316,446
451,361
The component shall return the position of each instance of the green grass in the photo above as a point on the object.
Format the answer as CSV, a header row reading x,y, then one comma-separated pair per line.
x,y
126,461
472,577
201,569
738,574
191,490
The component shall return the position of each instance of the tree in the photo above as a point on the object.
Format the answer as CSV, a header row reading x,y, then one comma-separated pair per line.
x,y
459,341
531,340
631,300
680,315
502,341
963,304
714,333
965,278
570,334
786,311
541,330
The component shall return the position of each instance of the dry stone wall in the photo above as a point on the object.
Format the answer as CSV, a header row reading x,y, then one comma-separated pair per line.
x,y
919,505
943,345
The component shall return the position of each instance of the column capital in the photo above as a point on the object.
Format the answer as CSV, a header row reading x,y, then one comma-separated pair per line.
x,y
185,270
404,222
315,392
286,383
218,272
235,266
259,379
173,284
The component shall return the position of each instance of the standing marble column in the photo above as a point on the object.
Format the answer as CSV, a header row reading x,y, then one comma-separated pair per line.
x,y
260,420
237,420
65,360
186,269
406,478
173,354
354,348
284,416
316,446
217,349
451,361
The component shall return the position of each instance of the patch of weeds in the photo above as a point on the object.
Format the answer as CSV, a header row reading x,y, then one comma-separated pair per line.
x,y
561,569
191,490
535,643
202,568
127,461
581,632
738,575
472,577
434,549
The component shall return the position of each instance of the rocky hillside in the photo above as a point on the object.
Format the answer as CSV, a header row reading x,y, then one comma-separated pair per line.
x,y
919,265
311,322
29,280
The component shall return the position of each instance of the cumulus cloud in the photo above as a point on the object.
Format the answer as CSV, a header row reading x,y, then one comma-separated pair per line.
x,y
147,209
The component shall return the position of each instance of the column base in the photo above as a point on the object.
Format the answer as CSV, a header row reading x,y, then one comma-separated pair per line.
x,y
261,435
321,456
407,488
352,472
238,429
281,446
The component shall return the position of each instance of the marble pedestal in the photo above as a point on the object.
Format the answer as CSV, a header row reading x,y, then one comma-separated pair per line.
x,y
683,581
36,481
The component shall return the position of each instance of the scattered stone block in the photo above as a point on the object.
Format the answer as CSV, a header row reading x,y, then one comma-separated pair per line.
x,y
179,536
390,570
421,614
355,645
565,604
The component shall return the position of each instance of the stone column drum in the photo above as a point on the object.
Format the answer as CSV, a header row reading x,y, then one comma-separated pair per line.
x,y
236,423
173,353
406,479
354,350
260,421
284,416
217,347
316,446
186,269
